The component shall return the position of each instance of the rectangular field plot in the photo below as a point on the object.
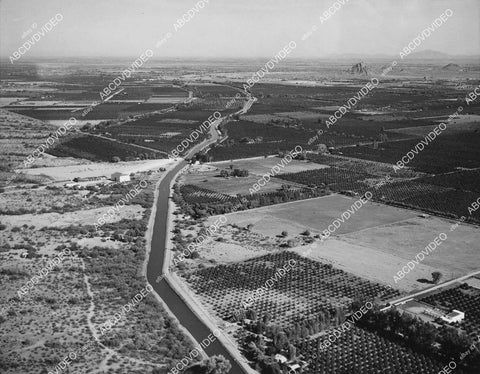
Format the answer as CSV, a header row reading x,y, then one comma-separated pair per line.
x,y
105,111
456,256
262,165
159,132
447,194
165,100
213,90
316,214
196,195
274,139
100,149
360,351
445,154
337,179
467,180
232,186
306,290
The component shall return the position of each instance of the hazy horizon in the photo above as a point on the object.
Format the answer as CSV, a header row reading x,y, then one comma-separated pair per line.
x,y
222,30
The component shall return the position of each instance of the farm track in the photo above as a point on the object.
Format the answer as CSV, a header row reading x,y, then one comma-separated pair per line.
x,y
134,145
431,289
379,143
93,330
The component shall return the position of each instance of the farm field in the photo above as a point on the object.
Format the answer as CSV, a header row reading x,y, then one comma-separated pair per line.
x,y
193,194
306,296
201,202
456,256
448,194
463,123
466,180
462,152
374,168
316,214
370,263
100,149
208,175
266,118
261,165
238,244
206,90
232,186
360,351
375,243
178,233
164,137
307,289
337,179
106,111
66,101
274,138
159,131
433,199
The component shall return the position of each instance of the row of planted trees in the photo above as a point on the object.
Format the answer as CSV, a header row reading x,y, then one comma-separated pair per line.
x,y
208,208
443,344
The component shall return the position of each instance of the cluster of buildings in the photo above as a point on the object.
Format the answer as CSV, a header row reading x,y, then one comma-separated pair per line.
x,y
98,180
292,367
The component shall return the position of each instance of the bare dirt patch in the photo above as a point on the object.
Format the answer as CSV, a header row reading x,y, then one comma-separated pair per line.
x,y
368,263
457,255
316,214
98,169
229,252
375,243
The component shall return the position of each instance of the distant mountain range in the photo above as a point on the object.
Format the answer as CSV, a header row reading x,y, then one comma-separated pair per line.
x,y
426,54
359,68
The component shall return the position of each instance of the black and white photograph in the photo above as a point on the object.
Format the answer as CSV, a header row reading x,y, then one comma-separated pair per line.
x,y
241,187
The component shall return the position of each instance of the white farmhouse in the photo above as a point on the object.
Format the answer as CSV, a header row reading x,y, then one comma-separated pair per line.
x,y
281,359
120,177
454,316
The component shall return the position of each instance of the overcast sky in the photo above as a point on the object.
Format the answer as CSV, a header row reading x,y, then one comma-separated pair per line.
x,y
236,28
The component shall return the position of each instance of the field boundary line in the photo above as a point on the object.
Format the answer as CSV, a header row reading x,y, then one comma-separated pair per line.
x,y
241,159
274,205
433,288
378,226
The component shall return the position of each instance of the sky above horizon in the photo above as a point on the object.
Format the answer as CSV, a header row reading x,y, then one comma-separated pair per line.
x,y
244,29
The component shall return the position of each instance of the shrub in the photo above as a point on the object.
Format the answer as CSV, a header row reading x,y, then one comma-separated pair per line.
x,y
436,275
